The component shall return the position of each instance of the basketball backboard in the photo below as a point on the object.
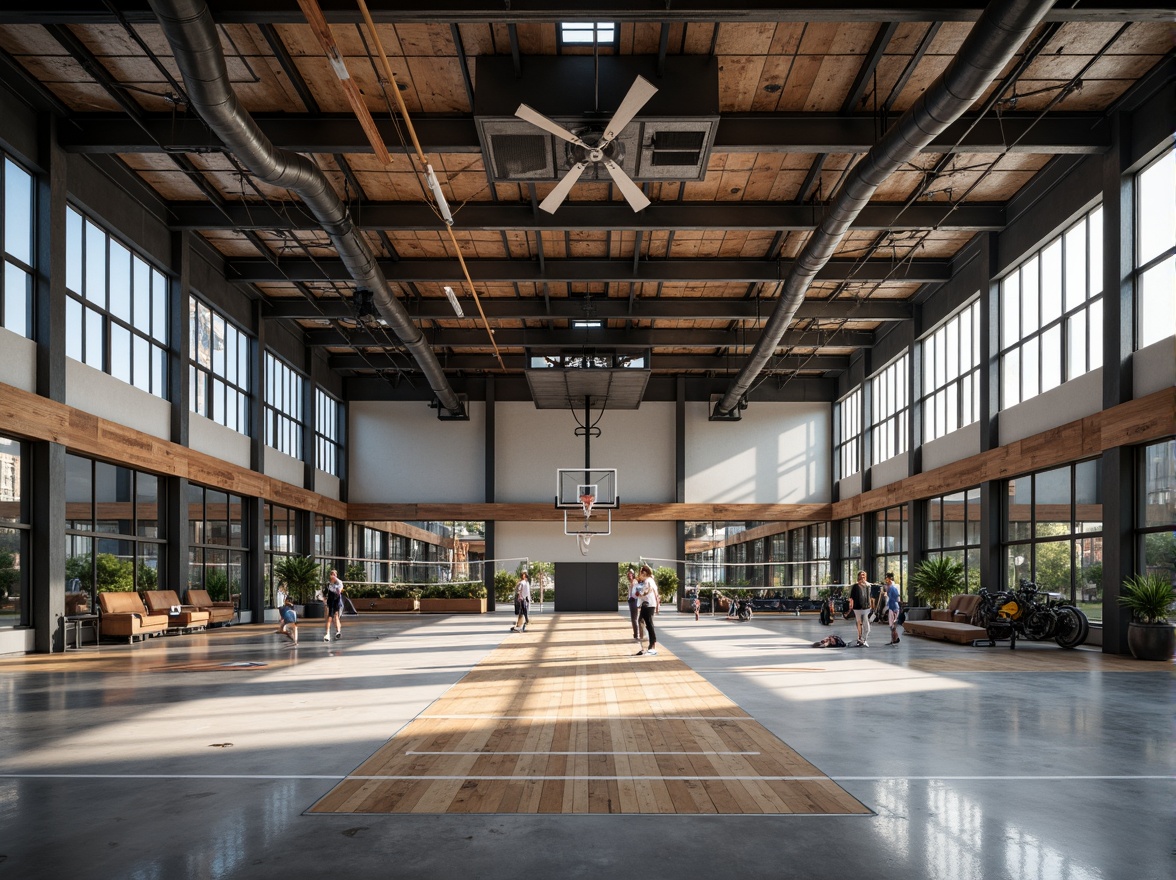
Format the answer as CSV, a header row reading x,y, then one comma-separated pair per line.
x,y
573,485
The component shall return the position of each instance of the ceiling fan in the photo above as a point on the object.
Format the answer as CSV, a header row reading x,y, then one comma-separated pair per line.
x,y
601,152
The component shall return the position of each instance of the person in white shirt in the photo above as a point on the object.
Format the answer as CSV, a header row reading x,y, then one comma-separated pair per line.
x,y
650,603
522,604
333,594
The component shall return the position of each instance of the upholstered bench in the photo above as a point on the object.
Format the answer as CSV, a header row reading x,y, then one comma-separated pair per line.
x,y
124,614
219,611
956,623
186,617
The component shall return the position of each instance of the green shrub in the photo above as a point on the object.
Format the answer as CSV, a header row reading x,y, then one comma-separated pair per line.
x,y
1148,597
504,585
114,575
667,583
355,574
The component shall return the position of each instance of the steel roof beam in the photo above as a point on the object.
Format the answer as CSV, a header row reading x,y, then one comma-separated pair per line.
x,y
605,338
658,363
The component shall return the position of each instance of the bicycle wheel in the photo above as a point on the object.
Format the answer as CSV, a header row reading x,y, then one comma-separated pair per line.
x,y
1073,627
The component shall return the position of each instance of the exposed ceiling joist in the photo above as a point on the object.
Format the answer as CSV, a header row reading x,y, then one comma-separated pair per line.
x,y
260,270
498,217
642,309
718,364
613,339
737,133
432,11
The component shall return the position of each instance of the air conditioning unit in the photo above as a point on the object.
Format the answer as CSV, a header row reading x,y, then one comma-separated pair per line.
x,y
670,139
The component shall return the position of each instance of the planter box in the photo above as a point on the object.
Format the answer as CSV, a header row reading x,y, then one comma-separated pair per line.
x,y
363,605
453,606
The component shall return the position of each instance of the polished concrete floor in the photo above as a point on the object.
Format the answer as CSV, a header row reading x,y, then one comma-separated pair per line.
x,y
199,757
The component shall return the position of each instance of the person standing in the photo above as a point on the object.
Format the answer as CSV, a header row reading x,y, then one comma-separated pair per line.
x,y
696,605
333,593
859,604
522,604
650,603
634,607
892,606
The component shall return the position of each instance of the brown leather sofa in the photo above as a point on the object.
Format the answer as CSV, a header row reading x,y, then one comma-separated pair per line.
x,y
219,611
125,615
189,617
956,623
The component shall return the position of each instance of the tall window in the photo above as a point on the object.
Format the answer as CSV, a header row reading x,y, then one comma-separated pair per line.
x,y
847,419
1156,519
327,412
1052,314
953,530
1155,251
15,531
585,33
216,542
114,530
889,408
1053,533
851,549
283,407
16,284
890,544
281,541
951,374
117,310
219,368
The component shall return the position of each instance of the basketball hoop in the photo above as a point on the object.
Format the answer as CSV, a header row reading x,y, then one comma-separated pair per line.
x,y
586,501
584,538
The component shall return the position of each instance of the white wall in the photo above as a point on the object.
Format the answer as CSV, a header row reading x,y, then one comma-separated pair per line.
x,y
109,398
327,484
952,447
1068,402
283,467
546,541
531,444
401,452
18,361
205,435
890,471
778,453
1154,367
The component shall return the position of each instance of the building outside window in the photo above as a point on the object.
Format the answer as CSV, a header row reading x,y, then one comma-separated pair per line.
x,y
328,543
1156,517
281,541
847,424
283,407
1155,251
17,234
1052,314
587,33
218,371
114,530
15,531
951,374
1053,533
327,420
216,543
116,311
889,410
851,549
953,531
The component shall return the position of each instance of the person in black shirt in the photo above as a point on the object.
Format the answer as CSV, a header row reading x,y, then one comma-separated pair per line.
x,y
859,603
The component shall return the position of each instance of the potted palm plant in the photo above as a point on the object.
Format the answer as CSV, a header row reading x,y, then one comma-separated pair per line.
x,y
1149,598
301,575
936,580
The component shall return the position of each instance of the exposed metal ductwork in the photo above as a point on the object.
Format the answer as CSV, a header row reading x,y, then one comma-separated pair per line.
x,y
997,35
190,30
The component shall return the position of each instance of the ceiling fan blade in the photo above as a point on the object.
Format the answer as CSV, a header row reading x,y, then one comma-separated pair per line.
x,y
536,118
639,93
631,191
556,196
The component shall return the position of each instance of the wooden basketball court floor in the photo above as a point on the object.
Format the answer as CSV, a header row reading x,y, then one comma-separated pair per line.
x,y
564,718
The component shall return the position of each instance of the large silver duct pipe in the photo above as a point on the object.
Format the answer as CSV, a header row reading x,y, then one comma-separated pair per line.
x,y
999,32
190,30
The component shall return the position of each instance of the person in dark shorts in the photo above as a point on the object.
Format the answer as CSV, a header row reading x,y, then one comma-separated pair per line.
x,y
333,593
289,616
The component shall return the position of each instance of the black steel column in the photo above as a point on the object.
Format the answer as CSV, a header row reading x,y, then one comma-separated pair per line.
x,y
991,497
175,502
680,482
488,526
1118,473
47,474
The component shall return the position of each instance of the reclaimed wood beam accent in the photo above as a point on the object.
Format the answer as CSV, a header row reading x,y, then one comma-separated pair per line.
x,y
1129,424
32,417
545,512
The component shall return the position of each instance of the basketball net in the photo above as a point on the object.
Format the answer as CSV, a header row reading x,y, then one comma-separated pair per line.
x,y
584,538
586,501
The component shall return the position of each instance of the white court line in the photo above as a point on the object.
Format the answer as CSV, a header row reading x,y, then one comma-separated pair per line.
x,y
336,776
415,752
593,717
